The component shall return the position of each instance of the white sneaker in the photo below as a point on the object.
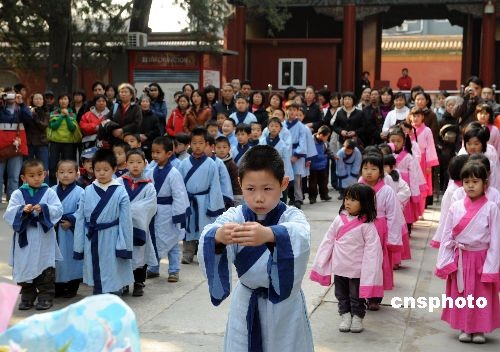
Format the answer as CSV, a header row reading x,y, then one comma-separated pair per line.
x,y
357,324
478,338
464,337
345,324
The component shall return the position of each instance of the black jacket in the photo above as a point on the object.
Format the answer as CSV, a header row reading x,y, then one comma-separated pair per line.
x,y
355,122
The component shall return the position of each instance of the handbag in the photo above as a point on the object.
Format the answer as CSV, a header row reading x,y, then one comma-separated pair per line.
x,y
11,150
448,134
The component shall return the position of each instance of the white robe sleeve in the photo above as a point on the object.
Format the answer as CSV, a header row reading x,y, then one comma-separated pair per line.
x,y
80,230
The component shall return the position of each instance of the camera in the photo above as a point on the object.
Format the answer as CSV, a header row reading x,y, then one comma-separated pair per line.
x,y
10,96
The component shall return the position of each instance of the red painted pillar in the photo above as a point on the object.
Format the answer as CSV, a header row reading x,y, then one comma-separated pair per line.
x,y
349,48
235,39
487,56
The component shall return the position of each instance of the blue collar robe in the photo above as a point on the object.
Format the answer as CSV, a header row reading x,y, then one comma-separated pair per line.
x,y
103,237
238,151
311,147
245,117
34,246
68,269
172,204
267,311
300,146
225,181
347,167
284,150
142,195
201,177
285,135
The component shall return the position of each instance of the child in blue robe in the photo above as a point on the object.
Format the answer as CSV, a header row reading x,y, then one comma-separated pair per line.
x,y
69,272
201,177
32,212
103,231
348,165
224,178
242,115
243,132
269,244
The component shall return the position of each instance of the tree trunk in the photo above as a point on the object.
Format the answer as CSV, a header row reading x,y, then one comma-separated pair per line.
x,y
140,16
60,60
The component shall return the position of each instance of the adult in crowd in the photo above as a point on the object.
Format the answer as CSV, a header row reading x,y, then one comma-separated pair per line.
x,y
78,103
364,82
226,104
465,110
373,119
158,105
324,98
349,123
49,100
175,122
236,85
488,96
365,99
257,103
198,114
126,118
329,117
150,126
246,89
111,93
423,102
36,131
275,102
405,81
210,93
313,114
92,121
13,143
289,94
187,89
413,93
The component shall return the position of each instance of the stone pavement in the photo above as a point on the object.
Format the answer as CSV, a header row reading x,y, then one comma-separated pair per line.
x,y
180,318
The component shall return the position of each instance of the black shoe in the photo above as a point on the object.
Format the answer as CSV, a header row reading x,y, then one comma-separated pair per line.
x,y
327,198
297,204
152,275
43,305
70,294
25,305
312,201
125,290
138,289
186,260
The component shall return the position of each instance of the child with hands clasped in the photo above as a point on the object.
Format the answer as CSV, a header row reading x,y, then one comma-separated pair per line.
x,y
469,258
32,212
352,252
269,244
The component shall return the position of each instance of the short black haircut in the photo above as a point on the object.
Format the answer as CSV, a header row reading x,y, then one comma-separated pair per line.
x,y
99,96
210,140
246,83
240,96
325,93
31,163
135,135
475,80
136,151
261,94
373,149
67,161
350,95
390,160
399,95
183,138
165,142
123,145
275,120
230,119
481,158
18,87
62,95
104,156
287,92
80,92
98,83
482,133
324,130
385,148
243,127
366,196
455,166
212,123
262,158
474,169
255,123
199,131
350,143
222,139
374,159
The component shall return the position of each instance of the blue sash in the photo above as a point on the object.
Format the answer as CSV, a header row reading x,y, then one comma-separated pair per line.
x,y
25,220
160,175
241,151
63,193
192,196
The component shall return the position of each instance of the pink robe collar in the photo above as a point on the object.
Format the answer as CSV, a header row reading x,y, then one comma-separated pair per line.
x,y
458,183
401,156
377,187
471,210
420,129
349,225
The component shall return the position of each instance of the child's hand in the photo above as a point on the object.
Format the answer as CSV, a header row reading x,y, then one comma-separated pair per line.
x,y
252,234
308,163
65,224
225,233
294,159
37,208
28,208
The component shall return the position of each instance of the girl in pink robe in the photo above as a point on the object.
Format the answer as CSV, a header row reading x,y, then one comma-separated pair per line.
x,y
351,251
485,116
429,157
469,258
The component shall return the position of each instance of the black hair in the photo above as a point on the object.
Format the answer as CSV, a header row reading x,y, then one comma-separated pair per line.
x,y
475,80
98,83
324,130
165,142
179,93
275,120
230,119
18,87
374,159
210,89
350,95
199,131
325,93
136,151
390,160
415,89
99,96
200,93
123,145
187,85
161,93
261,94
336,95
365,195
80,92
481,158
104,156
31,163
287,92
243,127
408,125
278,96
486,108
399,95
240,96
474,169
62,95
482,133
111,86
135,135
185,97
398,131
373,149
210,140
222,139
350,144
67,161
262,158
385,148
455,166
280,109
245,82
212,123
183,138
255,123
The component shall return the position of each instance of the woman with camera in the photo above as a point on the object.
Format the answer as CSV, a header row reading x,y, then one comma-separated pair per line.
x,y
13,143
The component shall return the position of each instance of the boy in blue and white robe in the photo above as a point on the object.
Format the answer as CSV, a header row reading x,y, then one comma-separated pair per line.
x,y
311,149
201,177
34,249
225,182
167,226
347,165
103,237
242,115
300,150
69,272
142,195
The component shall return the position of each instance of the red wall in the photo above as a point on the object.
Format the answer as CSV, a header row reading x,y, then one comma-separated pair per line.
x,y
427,74
321,63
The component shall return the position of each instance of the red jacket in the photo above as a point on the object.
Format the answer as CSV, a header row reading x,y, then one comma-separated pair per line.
x,y
8,127
404,83
175,123
90,120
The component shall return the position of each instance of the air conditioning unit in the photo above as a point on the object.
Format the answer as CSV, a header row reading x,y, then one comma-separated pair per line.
x,y
402,28
137,39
